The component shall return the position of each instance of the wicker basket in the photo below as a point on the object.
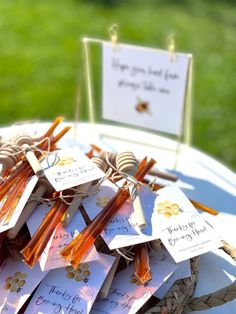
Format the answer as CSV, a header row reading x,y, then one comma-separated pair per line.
x,y
179,299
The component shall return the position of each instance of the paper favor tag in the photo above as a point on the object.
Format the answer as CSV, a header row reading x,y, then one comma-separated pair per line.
x,y
69,167
68,291
51,257
182,230
126,295
183,271
7,223
17,282
121,231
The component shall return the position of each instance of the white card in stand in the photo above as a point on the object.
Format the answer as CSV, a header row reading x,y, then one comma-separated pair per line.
x,y
6,224
17,282
144,87
61,237
68,291
69,167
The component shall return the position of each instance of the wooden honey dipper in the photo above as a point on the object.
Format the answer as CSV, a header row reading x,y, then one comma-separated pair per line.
x,y
8,158
83,189
126,162
27,142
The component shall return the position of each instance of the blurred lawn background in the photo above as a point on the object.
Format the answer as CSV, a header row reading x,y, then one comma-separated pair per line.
x,y
40,56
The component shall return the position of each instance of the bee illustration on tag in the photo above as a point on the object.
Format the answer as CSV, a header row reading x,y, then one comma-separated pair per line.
x,y
65,161
16,282
142,106
82,273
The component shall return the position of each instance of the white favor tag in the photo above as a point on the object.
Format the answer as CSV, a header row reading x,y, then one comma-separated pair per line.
x,y
121,231
70,291
69,167
181,228
17,282
62,236
126,295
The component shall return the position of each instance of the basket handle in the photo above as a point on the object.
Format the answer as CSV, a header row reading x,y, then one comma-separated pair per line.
x,y
218,297
210,300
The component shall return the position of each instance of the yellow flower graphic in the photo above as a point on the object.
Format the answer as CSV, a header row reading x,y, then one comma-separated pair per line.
x,y
16,282
101,201
82,273
65,161
168,208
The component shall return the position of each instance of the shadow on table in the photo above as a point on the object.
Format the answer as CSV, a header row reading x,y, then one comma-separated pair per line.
x,y
208,193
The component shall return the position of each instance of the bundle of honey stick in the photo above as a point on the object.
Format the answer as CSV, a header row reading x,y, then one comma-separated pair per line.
x,y
116,214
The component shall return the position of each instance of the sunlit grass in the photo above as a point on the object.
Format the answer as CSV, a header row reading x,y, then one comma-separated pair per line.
x,y
40,56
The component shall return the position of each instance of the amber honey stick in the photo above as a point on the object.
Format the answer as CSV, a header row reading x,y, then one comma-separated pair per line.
x,y
43,187
78,247
14,184
82,190
141,263
38,242
127,163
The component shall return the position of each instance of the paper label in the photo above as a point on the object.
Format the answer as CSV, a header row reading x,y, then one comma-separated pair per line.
x,y
142,87
126,295
181,228
7,223
17,282
120,231
68,291
61,237
183,270
69,167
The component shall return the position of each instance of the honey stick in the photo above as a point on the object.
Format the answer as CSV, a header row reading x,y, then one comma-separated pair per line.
x,y
141,264
31,250
75,251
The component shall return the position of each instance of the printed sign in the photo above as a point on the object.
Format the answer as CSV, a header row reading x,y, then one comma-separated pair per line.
x,y
143,87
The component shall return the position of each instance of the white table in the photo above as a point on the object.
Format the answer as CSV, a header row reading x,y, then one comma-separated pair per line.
x,y
201,178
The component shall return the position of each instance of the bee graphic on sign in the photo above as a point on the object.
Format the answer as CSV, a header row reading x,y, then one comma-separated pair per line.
x,y
142,106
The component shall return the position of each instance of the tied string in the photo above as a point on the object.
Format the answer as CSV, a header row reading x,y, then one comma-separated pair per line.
x,y
118,175
127,254
19,150
77,193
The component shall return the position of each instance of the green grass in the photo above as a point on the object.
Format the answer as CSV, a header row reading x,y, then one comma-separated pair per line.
x,y
40,56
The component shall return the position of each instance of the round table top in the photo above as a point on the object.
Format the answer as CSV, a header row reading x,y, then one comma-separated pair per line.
x,y
201,177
